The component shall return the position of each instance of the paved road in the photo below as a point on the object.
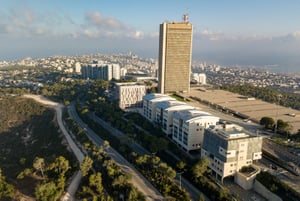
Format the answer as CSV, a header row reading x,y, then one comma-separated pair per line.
x,y
71,190
137,178
192,190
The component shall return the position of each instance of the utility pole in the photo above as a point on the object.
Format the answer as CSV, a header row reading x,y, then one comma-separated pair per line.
x,y
277,107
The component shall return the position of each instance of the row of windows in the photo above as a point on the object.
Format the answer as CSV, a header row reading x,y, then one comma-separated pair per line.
x,y
196,145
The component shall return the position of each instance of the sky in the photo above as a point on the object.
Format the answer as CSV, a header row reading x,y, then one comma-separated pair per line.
x,y
264,33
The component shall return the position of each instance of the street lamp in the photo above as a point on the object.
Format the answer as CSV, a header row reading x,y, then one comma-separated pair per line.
x,y
180,173
180,165
277,107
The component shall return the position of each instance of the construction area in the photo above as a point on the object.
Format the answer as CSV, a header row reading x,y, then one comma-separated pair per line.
x,y
245,107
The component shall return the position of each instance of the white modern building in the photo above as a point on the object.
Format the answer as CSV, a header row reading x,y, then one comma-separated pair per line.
x,y
123,72
77,67
189,126
149,104
165,111
229,148
200,78
130,95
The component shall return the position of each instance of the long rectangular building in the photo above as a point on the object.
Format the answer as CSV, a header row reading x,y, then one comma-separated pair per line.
x,y
100,71
175,52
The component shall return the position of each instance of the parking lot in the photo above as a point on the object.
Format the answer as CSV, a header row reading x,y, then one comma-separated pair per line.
x,y
249,108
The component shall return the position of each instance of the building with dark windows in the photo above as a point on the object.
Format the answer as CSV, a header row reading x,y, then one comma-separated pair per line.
x,y
130,95
189,126
100,71
229,148
175,52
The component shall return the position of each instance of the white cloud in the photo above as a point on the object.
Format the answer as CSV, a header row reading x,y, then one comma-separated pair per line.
x,y
209,35
136,35
96,19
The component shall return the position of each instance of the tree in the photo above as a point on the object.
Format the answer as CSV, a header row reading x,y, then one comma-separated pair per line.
x,y
135,195
267,122
120,181
39,165
95,180
106,145
6,190
201,197
166,171
200,168
86,165
157,144
60,165
181,165
283,126
47,191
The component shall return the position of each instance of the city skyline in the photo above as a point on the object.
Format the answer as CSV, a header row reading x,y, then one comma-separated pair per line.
x,y
259,33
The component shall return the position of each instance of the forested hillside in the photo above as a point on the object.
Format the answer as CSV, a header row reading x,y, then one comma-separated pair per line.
x,y
27,130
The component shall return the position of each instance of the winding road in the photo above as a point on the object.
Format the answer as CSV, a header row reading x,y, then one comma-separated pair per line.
x,y
71,190
137,178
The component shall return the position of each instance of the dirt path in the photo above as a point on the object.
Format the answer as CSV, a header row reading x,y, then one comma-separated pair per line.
x,y
71,190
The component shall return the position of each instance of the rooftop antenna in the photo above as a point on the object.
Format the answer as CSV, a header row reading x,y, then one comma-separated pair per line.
x,y
185,18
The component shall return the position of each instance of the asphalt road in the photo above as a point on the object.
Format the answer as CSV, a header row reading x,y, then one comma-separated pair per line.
x,y
192,190
137,178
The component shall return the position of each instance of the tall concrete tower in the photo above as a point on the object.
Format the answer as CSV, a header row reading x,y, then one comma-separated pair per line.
x,y
175,52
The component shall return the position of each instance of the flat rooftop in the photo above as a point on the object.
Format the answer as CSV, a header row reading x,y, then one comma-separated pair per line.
x,y
253,109
229,131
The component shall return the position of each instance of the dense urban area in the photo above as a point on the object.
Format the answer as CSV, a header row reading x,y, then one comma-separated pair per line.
x,y
216,74
55,123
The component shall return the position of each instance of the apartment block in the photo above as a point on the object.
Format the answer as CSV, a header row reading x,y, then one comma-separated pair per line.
x,y
165,111
229,148
149,104
189,126
100,71
130,95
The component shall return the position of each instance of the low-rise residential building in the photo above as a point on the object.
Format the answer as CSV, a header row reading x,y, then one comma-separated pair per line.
x,y
165,111
229,148
189,126
130,95
149,104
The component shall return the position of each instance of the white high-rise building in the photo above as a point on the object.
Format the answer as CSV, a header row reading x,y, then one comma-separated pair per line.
x,y
77,67
123,72
100,70
189,126
200,78
115,71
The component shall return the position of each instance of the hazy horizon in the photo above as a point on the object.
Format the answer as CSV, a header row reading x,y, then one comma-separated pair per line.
x,y
252,33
